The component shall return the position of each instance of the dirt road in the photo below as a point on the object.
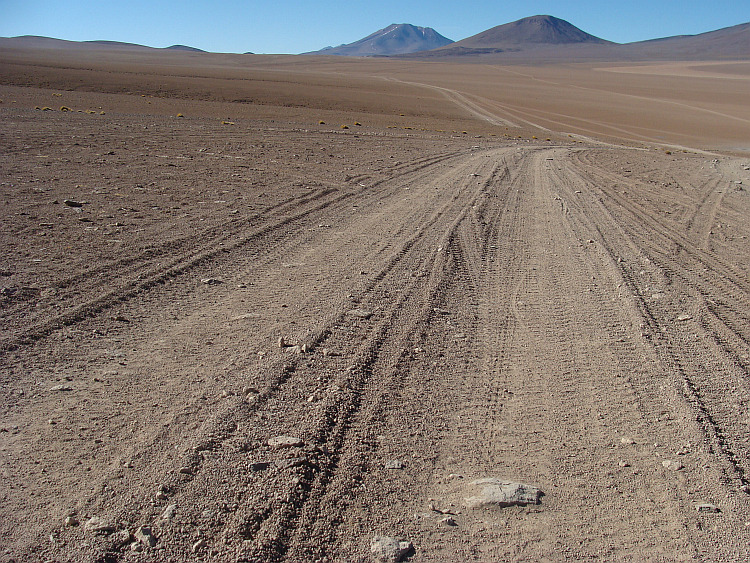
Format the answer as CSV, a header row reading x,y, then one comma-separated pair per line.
x,y
274,343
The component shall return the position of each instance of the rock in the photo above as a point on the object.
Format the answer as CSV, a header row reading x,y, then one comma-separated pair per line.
x,y
73,203
709,508
200,544
282,342
185,470
169,512
672,465
120,539
161,496
99,526
623,463
360,313
297,349
145,536
449,521
684,317
61,388
211,281
389,550
500,493
627,441
285,442
71,521
290,462
395,464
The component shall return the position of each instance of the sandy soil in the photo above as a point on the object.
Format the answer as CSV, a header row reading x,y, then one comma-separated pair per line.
x,y
455,288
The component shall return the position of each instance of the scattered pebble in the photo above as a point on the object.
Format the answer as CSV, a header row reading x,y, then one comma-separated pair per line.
x,y
623,464
285,442
99,526
496,492
73,203
672,465
169,512
200,544
395,464
627,441
145,536
71,521
282,342
61,388
185,470
211,281
684,317
360,313
449,521
710,508
389,550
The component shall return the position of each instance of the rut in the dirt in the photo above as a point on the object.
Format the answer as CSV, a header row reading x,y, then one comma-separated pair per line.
x,y
522,307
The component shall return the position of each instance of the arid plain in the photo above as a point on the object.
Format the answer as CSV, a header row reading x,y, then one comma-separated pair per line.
x,y
333,294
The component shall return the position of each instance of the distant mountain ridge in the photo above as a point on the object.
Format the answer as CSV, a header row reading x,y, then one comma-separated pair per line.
x,y
40,42
396,39
541,39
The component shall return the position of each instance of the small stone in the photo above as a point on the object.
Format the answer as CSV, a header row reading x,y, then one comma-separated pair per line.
x,y
295,349
136,547
200,544
395,464
211,281
185,470
73,203
290,462
389,550
120,539
672,465
449,521
282,342
709,508
627,441
169,512
99,526
285,442
71,521
360,313
61,388
304,348
145,536
498,493
623,464
684,317
161,496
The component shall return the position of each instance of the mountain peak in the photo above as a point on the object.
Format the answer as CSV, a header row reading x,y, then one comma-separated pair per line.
x,y
531,31
396,39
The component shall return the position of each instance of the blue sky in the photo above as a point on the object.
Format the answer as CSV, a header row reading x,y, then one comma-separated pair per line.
x,y
294,26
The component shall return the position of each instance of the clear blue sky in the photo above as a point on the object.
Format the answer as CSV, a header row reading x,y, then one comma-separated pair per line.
x,y
294,26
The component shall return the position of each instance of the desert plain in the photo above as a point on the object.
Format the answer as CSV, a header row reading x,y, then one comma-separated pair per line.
x,y
267,308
